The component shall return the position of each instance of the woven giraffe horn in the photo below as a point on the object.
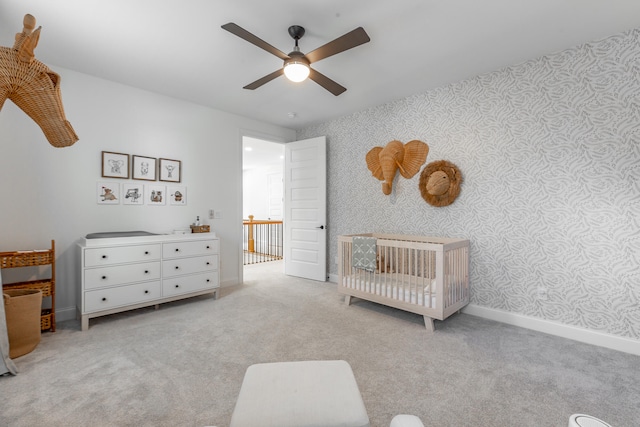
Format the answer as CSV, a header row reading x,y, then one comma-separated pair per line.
x,y
27,40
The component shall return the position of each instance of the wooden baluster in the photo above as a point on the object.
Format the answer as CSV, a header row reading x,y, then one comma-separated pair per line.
x,y
251,240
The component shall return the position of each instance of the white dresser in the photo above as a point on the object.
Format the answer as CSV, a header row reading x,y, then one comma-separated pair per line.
x,y
124,273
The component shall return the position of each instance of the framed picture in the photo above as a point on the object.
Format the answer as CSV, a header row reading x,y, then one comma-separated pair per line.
x,y
115,165
132,194
170,170
108,193
144,168
177,195
156,195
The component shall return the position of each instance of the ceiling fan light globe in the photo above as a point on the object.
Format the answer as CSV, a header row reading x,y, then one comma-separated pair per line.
x,y
296,71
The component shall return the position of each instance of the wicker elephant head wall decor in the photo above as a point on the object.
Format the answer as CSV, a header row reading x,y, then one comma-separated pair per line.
x,y
385,162
33,87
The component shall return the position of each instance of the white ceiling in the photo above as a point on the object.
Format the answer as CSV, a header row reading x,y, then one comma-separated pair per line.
x,y
259,153
177,48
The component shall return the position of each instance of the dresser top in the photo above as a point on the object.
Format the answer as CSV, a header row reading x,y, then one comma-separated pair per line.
x,y
127,238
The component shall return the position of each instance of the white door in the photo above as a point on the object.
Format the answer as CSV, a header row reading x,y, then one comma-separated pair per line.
x,y
305,231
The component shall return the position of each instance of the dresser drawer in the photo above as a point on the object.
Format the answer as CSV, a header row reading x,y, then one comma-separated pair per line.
x,y
101,277
181,266
186,249
105,299
95,257
185,284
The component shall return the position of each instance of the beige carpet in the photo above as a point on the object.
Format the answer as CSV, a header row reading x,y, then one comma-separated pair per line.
x,y
183,364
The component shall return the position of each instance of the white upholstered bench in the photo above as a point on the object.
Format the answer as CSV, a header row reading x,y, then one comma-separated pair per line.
x,y
300,394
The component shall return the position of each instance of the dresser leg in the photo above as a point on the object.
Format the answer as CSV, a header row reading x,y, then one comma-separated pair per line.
x,y
84,323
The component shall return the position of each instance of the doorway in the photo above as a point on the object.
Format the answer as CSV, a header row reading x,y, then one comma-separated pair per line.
x,y
262,200
303,169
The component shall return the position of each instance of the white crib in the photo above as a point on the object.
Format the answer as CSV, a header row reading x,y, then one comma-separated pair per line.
x,y
423,275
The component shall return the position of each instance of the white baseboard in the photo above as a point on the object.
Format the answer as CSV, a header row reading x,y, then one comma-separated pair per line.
x,y
601,339
229,282
63,314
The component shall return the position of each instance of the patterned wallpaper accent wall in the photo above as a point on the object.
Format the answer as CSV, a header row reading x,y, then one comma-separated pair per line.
x,y
550,155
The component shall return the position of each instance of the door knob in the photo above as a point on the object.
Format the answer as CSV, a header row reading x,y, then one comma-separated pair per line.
x,y
321,227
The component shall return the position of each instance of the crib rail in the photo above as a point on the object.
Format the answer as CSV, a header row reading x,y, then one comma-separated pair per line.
x,y
424,275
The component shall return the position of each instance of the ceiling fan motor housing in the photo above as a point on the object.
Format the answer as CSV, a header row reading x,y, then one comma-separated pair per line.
x,y
296,56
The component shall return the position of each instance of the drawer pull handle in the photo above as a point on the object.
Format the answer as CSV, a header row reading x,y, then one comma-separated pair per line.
x,y
177,249
104,298
104,257
208,247
177,286
146,252
146,292
208,263
208,280
177,267
104,277
146,272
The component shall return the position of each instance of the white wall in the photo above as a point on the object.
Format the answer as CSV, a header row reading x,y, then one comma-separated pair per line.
x,y
49,193
256,191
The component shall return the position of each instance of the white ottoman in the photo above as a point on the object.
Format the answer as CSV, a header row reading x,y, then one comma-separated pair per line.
x,y
581,420
406,421
300,394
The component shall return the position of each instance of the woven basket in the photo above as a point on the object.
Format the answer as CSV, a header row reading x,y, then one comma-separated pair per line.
x,y
22,310
46,286
25,259
200,228
46,319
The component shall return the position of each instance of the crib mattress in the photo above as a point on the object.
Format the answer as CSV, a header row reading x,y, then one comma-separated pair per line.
x,y
402,291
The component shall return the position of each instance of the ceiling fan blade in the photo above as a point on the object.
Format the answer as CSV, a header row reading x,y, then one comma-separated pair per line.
x,y
350,40
244,34
326,82
265,79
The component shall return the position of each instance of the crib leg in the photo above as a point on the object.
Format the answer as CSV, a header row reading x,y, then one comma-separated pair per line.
x,y
428,323
347,299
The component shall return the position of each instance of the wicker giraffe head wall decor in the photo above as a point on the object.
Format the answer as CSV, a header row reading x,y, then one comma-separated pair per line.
x,y
33,87
385,162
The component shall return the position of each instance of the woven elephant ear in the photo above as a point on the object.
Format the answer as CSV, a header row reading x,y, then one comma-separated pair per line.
x,y
415,154
440,183
373,162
